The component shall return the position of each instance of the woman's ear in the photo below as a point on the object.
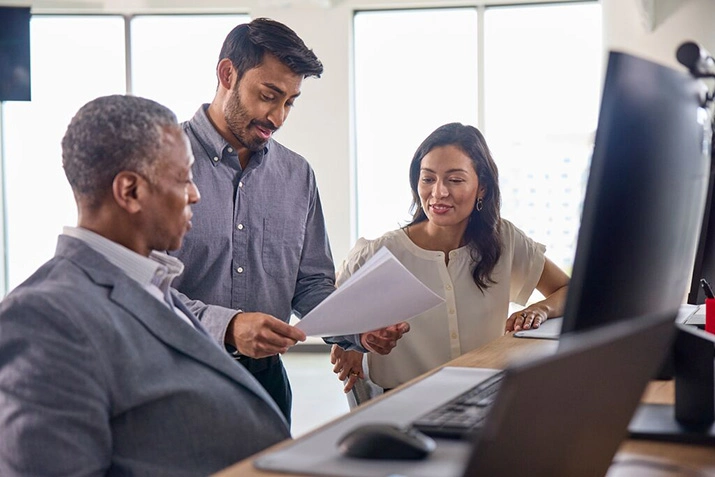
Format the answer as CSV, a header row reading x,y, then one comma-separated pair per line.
x,y
126,190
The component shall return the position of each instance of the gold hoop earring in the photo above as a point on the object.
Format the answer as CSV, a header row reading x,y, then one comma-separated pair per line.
x,y
480,204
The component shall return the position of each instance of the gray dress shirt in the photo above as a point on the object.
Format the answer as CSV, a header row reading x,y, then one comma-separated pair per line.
x,y
258,241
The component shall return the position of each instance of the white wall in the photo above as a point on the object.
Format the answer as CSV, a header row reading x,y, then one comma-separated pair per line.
x,y
655,28
320,126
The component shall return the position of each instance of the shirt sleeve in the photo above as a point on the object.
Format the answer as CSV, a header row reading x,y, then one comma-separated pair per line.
x,y
316,272
215,318
527,264
360,253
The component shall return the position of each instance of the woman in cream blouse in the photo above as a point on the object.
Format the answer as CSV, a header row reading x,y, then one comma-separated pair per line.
x,y
458,245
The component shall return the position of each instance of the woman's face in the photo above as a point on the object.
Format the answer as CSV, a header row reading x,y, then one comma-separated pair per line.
x,y
448,186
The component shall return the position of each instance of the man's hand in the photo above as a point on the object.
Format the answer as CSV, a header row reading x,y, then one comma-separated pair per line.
x,y
258,335
383,340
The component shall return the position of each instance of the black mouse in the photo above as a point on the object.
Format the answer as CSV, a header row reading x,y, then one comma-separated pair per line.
x,y
386,441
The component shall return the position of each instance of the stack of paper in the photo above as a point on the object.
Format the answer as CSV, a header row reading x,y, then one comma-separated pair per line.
x,y
381,293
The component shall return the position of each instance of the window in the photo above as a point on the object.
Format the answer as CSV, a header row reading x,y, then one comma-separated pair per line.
x,y
76,59
418,69
542,77
174,58
414,71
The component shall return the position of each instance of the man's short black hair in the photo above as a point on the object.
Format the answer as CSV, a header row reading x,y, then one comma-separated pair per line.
x,y
248,43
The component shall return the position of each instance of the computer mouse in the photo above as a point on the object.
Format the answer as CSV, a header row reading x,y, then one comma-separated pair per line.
x,y
386,441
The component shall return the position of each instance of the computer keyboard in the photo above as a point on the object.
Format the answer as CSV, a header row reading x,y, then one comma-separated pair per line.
x,y
460,417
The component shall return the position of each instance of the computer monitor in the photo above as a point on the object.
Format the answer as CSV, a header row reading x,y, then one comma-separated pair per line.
x,y
14,53
645,196
704,265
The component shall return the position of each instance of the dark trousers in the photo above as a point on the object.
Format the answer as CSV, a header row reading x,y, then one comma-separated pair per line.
x,y
272,375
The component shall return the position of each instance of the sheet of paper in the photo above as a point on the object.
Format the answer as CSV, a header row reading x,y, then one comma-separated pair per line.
x,y
381,293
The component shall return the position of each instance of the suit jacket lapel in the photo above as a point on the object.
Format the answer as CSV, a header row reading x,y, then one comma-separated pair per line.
x,y
172,330
161,322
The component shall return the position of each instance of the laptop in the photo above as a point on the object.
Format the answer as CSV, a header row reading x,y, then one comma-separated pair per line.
x,y
558,415
551,329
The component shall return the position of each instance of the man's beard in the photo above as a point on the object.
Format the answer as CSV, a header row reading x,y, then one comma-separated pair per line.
x,y
239,122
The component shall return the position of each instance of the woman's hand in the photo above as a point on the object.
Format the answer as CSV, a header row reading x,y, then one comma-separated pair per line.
x,y
347,365
382,341
525,319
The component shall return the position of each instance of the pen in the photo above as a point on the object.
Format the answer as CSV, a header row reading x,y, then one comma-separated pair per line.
x,y
706,288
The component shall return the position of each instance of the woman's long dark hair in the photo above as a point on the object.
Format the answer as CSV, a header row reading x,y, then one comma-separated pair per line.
x,y
482,236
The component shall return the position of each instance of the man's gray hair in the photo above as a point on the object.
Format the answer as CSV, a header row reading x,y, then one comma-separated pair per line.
x,y
111,134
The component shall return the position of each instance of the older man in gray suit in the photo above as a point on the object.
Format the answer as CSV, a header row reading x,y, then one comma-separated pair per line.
x,y
103,371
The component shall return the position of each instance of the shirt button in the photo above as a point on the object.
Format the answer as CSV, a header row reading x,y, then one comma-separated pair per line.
x,y
230,149
239,226
454,335
215,159
448,287
451,311
239,269
240,184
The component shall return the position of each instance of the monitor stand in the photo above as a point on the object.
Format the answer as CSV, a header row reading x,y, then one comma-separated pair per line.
x,y
692,419
657,422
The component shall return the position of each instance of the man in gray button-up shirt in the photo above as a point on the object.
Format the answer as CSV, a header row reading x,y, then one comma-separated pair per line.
x,y
258,242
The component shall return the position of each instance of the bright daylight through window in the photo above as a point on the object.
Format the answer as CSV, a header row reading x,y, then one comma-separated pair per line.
x,y
161,53
541,81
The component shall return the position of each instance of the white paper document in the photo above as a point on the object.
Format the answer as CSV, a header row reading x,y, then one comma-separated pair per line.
x,y
381,293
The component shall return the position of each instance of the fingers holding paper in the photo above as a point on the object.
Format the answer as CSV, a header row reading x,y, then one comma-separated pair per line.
x,y
258,335
347,365
383,340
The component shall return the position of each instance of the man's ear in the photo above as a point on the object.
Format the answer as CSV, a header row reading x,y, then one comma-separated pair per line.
x,y
127,190
226,73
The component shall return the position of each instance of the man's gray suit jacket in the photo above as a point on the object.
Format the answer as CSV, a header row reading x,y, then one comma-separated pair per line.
x,y
98,377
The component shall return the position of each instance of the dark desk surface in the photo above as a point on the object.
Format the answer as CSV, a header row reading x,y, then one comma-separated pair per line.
x,y
689,460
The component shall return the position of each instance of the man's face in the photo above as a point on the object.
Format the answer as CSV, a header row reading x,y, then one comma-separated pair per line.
x,y
260,101
167,206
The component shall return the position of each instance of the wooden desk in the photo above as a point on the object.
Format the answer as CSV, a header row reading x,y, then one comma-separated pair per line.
x,y
690,460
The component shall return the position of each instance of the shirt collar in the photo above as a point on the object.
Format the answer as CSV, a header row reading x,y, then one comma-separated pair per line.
x,y
158,269
212,141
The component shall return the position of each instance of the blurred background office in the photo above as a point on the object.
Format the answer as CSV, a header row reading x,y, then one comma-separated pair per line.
x,y
527,73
